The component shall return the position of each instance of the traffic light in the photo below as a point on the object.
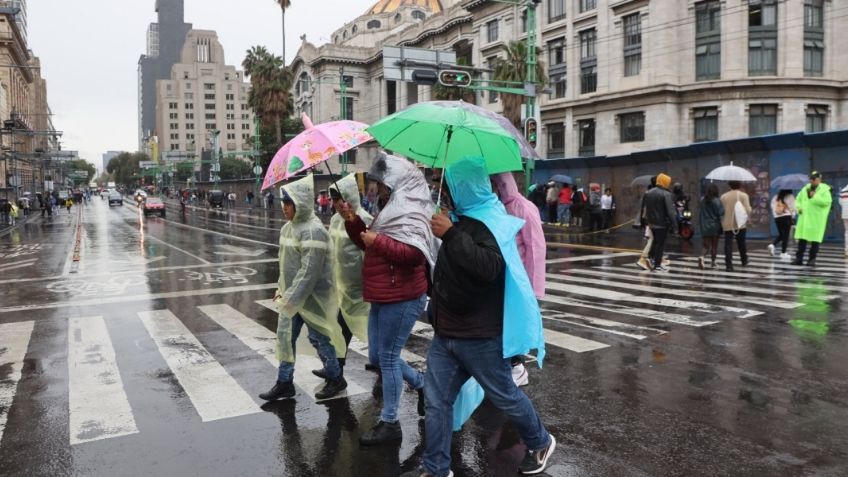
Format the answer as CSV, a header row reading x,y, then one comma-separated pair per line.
x,y
454,78
530,131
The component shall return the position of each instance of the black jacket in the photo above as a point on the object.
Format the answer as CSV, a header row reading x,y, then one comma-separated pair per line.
x,y
659,209
468,283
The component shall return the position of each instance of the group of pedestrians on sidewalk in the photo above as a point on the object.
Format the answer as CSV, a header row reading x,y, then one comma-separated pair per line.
x,y
370,278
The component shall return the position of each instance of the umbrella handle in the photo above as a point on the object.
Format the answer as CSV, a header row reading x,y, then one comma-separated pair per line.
x,y
444,168
333,178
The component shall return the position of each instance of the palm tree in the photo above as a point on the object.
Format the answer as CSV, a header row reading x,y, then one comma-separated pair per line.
x,y
284,4
270,88
513,68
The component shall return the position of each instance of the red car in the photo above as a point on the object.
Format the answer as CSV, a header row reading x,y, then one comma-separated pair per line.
x,y
154,205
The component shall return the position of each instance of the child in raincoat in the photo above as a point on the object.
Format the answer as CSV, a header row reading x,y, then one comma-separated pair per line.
x,y
347,264
813,206
306,294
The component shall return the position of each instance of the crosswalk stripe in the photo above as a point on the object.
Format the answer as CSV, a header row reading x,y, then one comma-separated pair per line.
x,y
766,261
655,278
358,346
835,259
600,256
214,393
612,327
263,341
626,310
571,342
16,338
775,266
619,296
98,405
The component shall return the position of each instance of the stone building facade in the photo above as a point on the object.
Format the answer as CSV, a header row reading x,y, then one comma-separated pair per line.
x,y
624,75
203,95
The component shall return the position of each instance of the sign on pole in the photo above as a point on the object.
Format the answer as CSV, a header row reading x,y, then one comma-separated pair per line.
x,y
257,170
399,61
146,164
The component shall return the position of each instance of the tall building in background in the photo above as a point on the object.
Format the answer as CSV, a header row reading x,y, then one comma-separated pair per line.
x,y
108,156
165,40
20,16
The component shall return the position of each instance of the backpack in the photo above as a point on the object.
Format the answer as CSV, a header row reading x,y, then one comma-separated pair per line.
x,y
577,198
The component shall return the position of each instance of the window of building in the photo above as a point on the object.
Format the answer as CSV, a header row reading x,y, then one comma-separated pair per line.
x,y
586,5
246,117
189,105
231,116
418,14
762,37
556,10
168,87
556,52
245,126
524,21
173,105
558,82
174,136
556,139
209,97
175,147
229,87
816,118
586,137
174,126
209,86
706,124
211,126
187,85
374,24
348,81
245,136
348,109
208,106
210,116
231,126
557,67
632,127
173,115
230,107
189,115
491,63
189,96
813,38
303,85
189,125
632,44
354,30
397,18
588,62
229,97
492,31
231,136
190,137
762,119
707,40
243,106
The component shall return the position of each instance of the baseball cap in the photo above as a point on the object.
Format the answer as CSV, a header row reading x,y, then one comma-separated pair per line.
x,y
815,175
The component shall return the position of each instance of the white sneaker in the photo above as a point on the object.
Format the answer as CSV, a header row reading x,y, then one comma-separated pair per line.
x,y
520,376
643,264
785,257
771,249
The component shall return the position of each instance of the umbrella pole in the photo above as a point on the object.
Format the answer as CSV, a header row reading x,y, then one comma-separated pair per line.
x,y
444,168
332,177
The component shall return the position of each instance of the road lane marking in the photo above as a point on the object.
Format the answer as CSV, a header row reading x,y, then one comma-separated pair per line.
x,y
619,296
626,310
20,264
773,267
13,350
178,249
656,278
213,392
571,342
583,258
821,257
599,324
263,341
97,403
140,297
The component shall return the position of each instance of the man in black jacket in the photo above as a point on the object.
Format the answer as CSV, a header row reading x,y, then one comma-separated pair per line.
x,y
467,314
661,217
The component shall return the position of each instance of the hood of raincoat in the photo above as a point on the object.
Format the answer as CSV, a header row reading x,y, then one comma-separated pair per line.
x,y
531,238
406,215
472,195
349,190
302,193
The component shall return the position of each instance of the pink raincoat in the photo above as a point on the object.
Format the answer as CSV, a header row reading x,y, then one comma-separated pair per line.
x,y
531,237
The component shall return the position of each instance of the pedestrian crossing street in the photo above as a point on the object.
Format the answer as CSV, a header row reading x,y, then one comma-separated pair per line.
x,y
592,304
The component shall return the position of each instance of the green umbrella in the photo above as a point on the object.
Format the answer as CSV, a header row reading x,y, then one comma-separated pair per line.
x,y
437,134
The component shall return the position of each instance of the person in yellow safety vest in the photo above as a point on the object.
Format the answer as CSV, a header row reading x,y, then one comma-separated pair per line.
x,y
306,294
347,265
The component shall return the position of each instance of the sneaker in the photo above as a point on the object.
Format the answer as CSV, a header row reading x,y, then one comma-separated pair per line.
x,y
785,256
771,249
666,262
701,264
661,269
332,388
811,263
713,265
280,390
797,262
381,433
520,376
535,461
643,264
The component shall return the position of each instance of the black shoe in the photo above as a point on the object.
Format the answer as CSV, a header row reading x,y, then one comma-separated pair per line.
x,y
421,402
745,262
332,388
280,390
797,262
321,373
811,263
728,269
535,461
381,433
371,367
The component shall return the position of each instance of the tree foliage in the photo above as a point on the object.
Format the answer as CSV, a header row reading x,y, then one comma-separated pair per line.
x,y
514,68
270,88
232,168
184,170
124,167
82,165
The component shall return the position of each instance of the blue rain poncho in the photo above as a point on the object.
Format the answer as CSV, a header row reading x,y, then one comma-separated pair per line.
x,y
472,195
306,276
347,261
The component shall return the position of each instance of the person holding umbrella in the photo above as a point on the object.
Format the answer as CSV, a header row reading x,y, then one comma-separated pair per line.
x,y
737,209
398,254
813,206
710,216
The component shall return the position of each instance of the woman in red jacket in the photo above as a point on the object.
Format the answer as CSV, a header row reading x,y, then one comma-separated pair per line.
x,y
398,254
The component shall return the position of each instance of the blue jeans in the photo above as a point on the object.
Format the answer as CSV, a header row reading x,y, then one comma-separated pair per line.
x,y
450,363
564,213
326,352
389,326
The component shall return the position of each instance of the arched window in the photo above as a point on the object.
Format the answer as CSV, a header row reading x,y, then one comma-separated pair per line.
x,y
344,35
303,83
418,14
397,17
373,24
354,30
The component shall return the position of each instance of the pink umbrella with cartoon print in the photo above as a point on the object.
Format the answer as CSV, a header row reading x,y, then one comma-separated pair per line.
x,y
316,144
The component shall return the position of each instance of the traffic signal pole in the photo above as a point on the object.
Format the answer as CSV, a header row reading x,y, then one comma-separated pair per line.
x,y
343,112
530,100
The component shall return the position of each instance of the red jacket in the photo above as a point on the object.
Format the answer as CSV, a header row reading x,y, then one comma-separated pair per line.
x,y
392,271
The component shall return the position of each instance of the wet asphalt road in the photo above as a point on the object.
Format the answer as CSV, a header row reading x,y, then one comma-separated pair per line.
x,y
145,356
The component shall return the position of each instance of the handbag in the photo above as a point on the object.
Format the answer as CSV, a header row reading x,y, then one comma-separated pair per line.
x,y
740,214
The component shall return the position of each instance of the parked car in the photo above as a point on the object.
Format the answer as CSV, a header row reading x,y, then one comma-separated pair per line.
x,y
115,198
216,199
154,205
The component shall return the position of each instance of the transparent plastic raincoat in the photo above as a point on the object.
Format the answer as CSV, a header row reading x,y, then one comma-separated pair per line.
x,y
306,276
347,262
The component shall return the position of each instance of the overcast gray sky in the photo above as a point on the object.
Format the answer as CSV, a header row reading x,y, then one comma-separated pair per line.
x,y
89,51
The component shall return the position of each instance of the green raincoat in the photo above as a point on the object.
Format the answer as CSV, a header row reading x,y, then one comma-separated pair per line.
x,y
306,283
812,213
347,262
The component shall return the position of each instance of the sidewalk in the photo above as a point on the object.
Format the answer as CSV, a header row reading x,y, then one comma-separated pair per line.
x,y
6,229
